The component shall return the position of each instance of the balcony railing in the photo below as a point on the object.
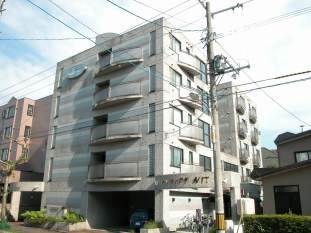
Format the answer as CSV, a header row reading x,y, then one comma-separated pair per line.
x,y
254,137
117,94
128,171
252,115
191,134
244,156
240,105
242,130
119,59
116,132
189,63
191,168
190,98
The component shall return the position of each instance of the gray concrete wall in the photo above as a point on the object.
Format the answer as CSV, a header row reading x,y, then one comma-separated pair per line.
x,y
287,150
299,177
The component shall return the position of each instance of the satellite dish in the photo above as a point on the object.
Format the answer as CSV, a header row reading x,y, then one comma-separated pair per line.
x,y
75,71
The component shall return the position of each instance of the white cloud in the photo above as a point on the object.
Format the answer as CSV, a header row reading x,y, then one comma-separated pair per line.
x,y
273,50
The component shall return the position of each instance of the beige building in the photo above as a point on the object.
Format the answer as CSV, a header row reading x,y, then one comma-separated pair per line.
x,y
270,158
287,188
24,131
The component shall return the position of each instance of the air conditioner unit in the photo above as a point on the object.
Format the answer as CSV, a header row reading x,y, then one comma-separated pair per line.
x,y
246,206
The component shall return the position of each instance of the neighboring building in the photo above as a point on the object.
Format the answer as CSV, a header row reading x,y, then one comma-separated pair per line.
x,y
24,131
270,158
287,188
240,136
128,117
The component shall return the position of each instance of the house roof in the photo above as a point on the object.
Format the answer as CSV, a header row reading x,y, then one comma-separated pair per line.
x,y
286,137
261,173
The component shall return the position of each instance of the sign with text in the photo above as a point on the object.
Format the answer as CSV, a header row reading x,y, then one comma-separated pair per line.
x,y
185,180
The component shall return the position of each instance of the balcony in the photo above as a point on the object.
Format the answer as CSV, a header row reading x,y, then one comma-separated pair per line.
x,y
242,129
252,115
244,156
240,105
115,60
117,95
190,98
115,132
191,168
114,172
255,137
191,134
257,159
189,63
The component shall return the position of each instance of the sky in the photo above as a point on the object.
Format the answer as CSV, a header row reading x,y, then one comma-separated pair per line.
x,y
271,49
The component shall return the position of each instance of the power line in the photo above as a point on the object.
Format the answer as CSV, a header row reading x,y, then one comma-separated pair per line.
x,y
270,97
42,39
75,18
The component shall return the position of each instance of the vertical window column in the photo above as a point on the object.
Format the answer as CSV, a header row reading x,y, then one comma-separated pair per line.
x,y
56,107
151,159
152,78
151,116
152,43
53,137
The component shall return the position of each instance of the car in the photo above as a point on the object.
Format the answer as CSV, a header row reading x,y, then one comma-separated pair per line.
x,y
138,219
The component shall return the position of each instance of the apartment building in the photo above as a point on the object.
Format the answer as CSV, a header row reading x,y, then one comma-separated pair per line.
x,y
240,136
131,127
287,187
24,131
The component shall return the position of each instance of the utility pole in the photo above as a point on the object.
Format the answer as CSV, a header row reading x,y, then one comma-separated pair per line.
x,y
1,6
213,73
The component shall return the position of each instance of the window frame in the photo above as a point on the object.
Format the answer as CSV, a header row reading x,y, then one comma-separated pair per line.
x,y
175,74
151,118
181,159
172,117
190,158
152,78
304,151
205,160
151,148
30,112
5,136
152,43
173,42
230,167
28,130
7,154
203,125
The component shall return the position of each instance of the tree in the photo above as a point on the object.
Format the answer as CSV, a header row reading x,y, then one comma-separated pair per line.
x,y
7,167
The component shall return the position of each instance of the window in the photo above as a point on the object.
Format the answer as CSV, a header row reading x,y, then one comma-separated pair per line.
x,y
205,104
176,156
203,75
10,112
4,154
56,108
27,131
230,167
176,116
151,117
30,110
151,159
189,119
152,41
189,83
176,78
206,133
8,132
152,78
302,156
53,137
175,44
206,163
190,157
51,169
25,153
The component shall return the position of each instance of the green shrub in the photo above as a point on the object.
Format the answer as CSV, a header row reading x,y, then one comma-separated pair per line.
x,y
212,230
53,219
71,217
152,225
35,218
4,225
277,224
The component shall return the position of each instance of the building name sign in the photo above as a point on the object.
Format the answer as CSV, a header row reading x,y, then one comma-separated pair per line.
x,y
75,71
186,180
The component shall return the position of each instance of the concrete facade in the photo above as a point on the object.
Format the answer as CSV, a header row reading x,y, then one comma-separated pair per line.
x,y
240,135
128,110
24,122
270,158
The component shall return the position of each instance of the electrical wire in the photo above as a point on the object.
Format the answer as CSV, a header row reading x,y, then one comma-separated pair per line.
x,y
260,88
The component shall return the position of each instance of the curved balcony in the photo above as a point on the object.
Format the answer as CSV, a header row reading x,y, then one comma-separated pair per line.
x,y
191,134
117,95
114,172
240,105
116,60
191,168
115,132
189,63
257,159
242,130
252,115
255,137
244,156
190,98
